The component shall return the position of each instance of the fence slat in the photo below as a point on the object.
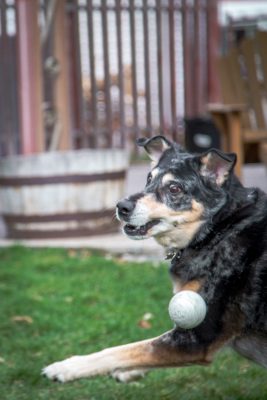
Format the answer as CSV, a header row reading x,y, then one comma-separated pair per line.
x,y
93,88
133,75
172,51
120,71
3,71
188,51
197,72
213,51
159,58
108,130
147,70
76,98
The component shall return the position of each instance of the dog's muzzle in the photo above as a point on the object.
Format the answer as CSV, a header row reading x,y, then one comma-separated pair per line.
x,y
132,230
125,212
125,208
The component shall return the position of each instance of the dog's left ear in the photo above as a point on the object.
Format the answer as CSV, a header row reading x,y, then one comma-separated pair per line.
x,y
154,146
217,165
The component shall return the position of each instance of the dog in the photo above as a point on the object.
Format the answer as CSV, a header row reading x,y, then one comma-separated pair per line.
x,y
215,234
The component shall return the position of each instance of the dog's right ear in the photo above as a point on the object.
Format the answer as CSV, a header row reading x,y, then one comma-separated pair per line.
x,y
154,146
217,165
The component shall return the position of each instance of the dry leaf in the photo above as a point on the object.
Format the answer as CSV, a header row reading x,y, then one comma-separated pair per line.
x,y
22,318
85,253
68,299
72,253
37,297
144,324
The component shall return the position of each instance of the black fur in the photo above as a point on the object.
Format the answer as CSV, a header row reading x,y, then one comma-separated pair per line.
x,y
228,255
216,231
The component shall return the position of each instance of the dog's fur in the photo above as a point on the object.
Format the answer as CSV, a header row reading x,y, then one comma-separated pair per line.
x,y
216,233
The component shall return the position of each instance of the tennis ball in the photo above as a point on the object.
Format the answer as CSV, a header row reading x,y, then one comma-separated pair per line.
x,y
187,309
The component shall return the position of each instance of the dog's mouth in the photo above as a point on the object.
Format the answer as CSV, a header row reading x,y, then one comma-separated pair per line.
x,y
133,230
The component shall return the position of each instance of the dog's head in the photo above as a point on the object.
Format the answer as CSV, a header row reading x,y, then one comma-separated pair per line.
x,y
183,191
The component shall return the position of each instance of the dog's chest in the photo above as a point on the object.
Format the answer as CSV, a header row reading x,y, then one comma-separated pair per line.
x,y
209,266
190,264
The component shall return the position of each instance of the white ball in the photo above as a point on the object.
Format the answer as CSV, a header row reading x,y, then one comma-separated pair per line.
x,y
187,309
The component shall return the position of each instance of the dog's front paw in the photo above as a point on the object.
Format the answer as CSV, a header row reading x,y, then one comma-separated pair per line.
x,y
67,370
129,376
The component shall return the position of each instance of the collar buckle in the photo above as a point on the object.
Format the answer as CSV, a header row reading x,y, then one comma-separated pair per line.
x,y
173,253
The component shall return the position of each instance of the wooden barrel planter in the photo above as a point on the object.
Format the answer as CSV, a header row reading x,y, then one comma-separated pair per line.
x,y
62,194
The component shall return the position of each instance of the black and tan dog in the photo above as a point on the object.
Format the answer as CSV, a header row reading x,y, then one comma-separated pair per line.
x,y
215,231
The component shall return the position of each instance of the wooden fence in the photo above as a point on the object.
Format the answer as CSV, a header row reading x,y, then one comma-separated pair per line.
x,y
134,68
9,120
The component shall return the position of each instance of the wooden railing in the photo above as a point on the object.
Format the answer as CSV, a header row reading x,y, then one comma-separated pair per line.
x,y
124,69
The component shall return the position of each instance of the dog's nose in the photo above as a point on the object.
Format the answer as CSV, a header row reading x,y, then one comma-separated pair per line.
x,y
125,207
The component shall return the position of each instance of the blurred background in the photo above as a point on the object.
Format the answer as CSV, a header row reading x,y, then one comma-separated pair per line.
x,y
81,80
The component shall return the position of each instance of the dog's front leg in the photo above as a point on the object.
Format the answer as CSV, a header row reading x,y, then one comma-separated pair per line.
x,y
131,375
152,353
107,361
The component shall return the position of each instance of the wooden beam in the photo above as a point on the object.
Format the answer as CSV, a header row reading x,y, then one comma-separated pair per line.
x,y
235,140
213,45
61,93
30,77
228,120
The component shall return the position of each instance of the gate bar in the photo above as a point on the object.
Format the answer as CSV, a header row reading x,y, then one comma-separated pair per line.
x,y
120,67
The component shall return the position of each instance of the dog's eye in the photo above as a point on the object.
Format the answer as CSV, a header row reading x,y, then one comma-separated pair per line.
x,y
174,188
149,179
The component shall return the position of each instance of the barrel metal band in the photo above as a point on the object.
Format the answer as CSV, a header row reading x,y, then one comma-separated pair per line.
x,y
111,225
57,179
60,234
60,217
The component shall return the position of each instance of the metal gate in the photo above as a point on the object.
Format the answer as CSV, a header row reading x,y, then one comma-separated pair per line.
x,y
138,67
134,67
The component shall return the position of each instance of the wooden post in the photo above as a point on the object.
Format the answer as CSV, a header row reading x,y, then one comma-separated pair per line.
x,y
30,77
228,119
62,103
213,45
235,139
221,123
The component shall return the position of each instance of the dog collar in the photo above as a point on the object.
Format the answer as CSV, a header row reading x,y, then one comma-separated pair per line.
x,y
173,253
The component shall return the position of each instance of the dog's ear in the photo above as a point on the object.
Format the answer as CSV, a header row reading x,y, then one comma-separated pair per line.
x,y
154,146
217,165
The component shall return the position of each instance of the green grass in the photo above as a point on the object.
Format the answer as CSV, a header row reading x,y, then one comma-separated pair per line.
x,y
80,303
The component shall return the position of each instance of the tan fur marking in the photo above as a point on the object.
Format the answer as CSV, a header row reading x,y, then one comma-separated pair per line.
x,y
192,285
179,236
167,178
160,210
154,172
188,222
178,285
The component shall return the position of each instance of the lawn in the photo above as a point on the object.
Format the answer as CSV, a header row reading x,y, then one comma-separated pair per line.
x,y
55,303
